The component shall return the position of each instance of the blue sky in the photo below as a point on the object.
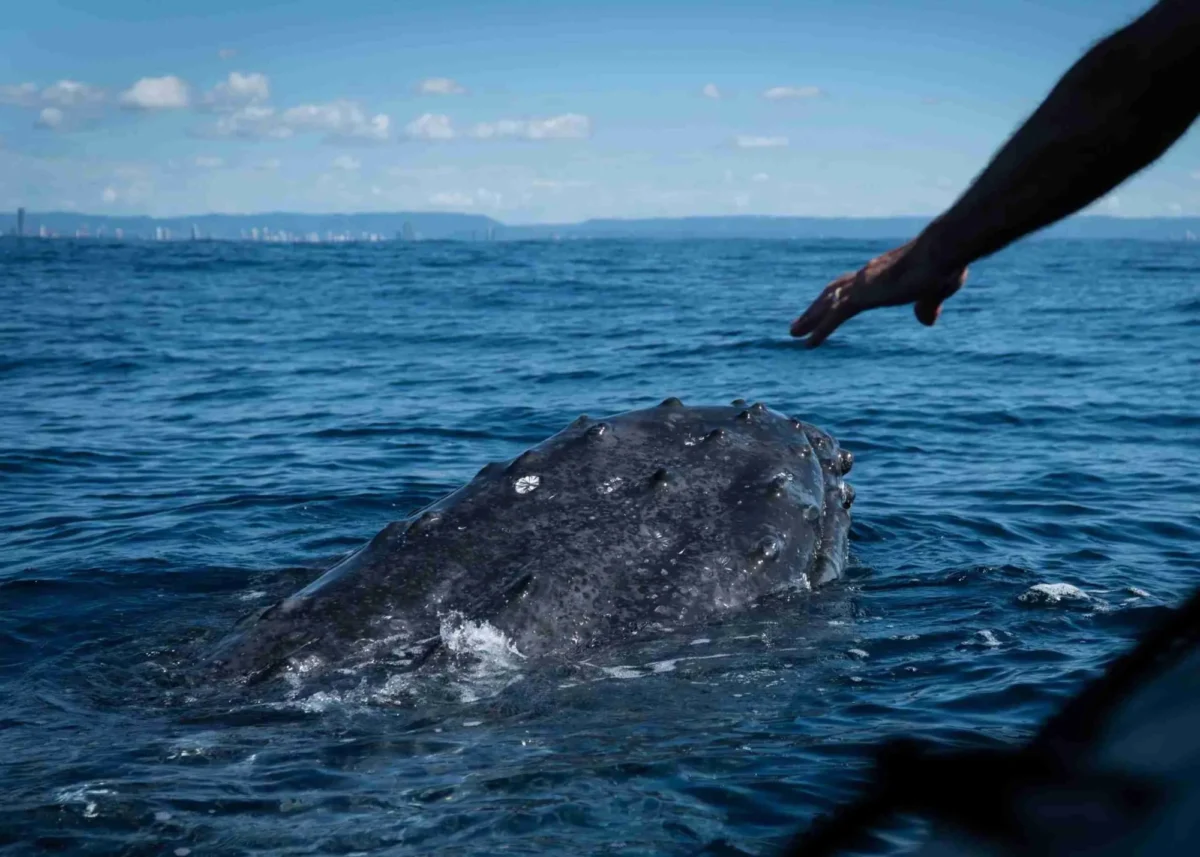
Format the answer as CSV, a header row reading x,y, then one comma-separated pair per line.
x,y
535,111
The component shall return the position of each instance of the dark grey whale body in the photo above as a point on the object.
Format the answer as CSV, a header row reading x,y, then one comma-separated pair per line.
x,y
659,516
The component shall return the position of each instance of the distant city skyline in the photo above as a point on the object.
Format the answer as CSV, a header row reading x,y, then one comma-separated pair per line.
x,y
380,227
536,112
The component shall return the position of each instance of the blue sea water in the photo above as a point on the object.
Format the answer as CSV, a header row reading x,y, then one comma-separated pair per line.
x,y
188,430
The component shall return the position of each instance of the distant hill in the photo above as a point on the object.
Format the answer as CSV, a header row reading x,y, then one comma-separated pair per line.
x,y
753,226
467,227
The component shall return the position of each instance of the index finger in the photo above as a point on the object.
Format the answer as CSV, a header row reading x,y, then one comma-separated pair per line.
x,y
824,302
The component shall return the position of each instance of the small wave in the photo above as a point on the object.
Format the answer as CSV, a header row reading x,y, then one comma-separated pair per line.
x,y
1054,593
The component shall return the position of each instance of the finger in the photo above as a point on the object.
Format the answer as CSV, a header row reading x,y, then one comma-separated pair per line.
x,y
811,316
818,309
831,321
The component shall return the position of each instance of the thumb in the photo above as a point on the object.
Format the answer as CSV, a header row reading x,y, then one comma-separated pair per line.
x,y
929,308
927,311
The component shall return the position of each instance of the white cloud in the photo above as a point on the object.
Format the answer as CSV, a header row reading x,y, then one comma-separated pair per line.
x,y
64,93
745,141
71,93
430,126
345,162
559,184
109,195
270,164
19,94
488,197
440,86
252,123
339,119
1174,207
564,127
452,199
226,53
779,93
759,177
208,162
51,118
710,91
239,90
156,93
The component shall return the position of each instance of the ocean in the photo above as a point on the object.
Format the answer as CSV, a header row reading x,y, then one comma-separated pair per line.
x,y
188,430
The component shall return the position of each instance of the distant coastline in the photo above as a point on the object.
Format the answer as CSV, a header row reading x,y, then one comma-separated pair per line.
x,y
416,226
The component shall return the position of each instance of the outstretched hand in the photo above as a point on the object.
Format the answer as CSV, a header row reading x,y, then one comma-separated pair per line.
x,y
899,276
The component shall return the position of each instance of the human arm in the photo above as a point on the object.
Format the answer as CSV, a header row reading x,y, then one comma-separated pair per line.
x,y
1114,112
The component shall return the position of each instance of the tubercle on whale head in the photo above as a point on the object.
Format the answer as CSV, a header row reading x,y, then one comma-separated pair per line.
x,y
527,459
778,484
426,521
490,469
767,548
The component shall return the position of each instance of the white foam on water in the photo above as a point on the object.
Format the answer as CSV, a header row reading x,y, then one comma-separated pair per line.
x,y
1053,593
984,639
85,794
632,671
493,660
195,745
479,639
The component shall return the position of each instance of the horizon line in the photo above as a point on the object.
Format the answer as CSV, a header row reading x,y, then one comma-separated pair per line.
x,y
619,219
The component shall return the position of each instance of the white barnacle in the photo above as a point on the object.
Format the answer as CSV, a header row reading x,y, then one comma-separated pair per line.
x,y
526,484
610,485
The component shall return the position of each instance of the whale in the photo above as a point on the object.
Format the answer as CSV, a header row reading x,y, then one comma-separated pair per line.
x,y
650,519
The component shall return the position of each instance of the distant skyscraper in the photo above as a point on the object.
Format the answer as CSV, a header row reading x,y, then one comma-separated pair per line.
x,y
120,233
20,221
407,232
195,233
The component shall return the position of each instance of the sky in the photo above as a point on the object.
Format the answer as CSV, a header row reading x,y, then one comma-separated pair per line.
x,y
535,112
